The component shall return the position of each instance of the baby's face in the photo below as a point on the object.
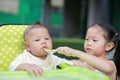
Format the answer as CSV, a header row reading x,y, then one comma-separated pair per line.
x,y
38,40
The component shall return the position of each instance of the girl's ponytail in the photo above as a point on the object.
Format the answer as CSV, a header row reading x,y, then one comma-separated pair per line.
x,y
116,57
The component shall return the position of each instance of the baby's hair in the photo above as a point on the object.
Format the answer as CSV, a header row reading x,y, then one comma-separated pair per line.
x,y
111,35
31,26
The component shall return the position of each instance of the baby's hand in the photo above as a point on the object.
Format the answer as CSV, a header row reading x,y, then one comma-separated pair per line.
x,y
34,69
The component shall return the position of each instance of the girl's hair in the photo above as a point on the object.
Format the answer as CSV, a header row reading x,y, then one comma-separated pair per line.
x,y
111,35
29,27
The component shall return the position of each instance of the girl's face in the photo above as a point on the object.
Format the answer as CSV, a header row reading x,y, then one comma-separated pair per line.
x,y
95,42
38,39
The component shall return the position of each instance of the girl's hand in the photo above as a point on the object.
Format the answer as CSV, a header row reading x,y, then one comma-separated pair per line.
x,y
65,50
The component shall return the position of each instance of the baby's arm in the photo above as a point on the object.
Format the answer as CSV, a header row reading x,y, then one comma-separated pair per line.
x,y
31,68
19,65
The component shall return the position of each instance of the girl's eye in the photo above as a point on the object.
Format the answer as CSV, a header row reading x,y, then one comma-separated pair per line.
x,y
86,39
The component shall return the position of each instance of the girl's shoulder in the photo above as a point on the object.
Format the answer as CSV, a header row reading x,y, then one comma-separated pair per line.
x,y
113,74
111,62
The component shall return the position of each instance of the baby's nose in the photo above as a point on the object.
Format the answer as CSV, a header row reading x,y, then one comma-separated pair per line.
x,y
43,41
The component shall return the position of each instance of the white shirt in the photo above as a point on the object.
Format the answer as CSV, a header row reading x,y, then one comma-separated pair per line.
x,y
49,63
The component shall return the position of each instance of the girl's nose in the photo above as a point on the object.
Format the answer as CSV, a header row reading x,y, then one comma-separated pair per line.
x,y
89,42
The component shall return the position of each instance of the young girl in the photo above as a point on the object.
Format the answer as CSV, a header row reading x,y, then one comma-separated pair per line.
x,y
100,39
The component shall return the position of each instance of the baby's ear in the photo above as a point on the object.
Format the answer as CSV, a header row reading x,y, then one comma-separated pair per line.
x,y
26,44
109,46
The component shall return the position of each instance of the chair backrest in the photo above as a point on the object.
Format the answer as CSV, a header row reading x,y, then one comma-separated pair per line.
x,y
11,44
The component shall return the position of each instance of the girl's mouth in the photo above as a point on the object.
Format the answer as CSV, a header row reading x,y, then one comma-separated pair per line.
x,y
88,49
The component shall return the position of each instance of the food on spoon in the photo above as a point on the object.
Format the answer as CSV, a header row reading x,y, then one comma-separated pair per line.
x,y
50,51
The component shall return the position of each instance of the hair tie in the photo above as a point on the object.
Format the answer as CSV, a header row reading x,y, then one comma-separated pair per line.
x,y
116,33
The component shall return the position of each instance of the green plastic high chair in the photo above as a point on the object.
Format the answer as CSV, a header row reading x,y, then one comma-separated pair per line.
x,y
11,45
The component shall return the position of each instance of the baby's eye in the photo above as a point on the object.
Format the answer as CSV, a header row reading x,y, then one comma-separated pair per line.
x,y
95,40
46,38
37,40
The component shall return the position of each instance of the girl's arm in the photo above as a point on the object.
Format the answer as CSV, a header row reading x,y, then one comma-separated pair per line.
x,y
98,63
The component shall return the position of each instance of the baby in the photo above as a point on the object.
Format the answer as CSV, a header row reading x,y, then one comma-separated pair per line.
x,y
35,59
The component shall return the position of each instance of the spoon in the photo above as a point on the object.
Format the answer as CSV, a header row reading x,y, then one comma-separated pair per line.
x,y
50,51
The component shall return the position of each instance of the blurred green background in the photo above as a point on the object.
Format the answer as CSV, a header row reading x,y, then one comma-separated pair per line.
x,y
75,43
69,20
